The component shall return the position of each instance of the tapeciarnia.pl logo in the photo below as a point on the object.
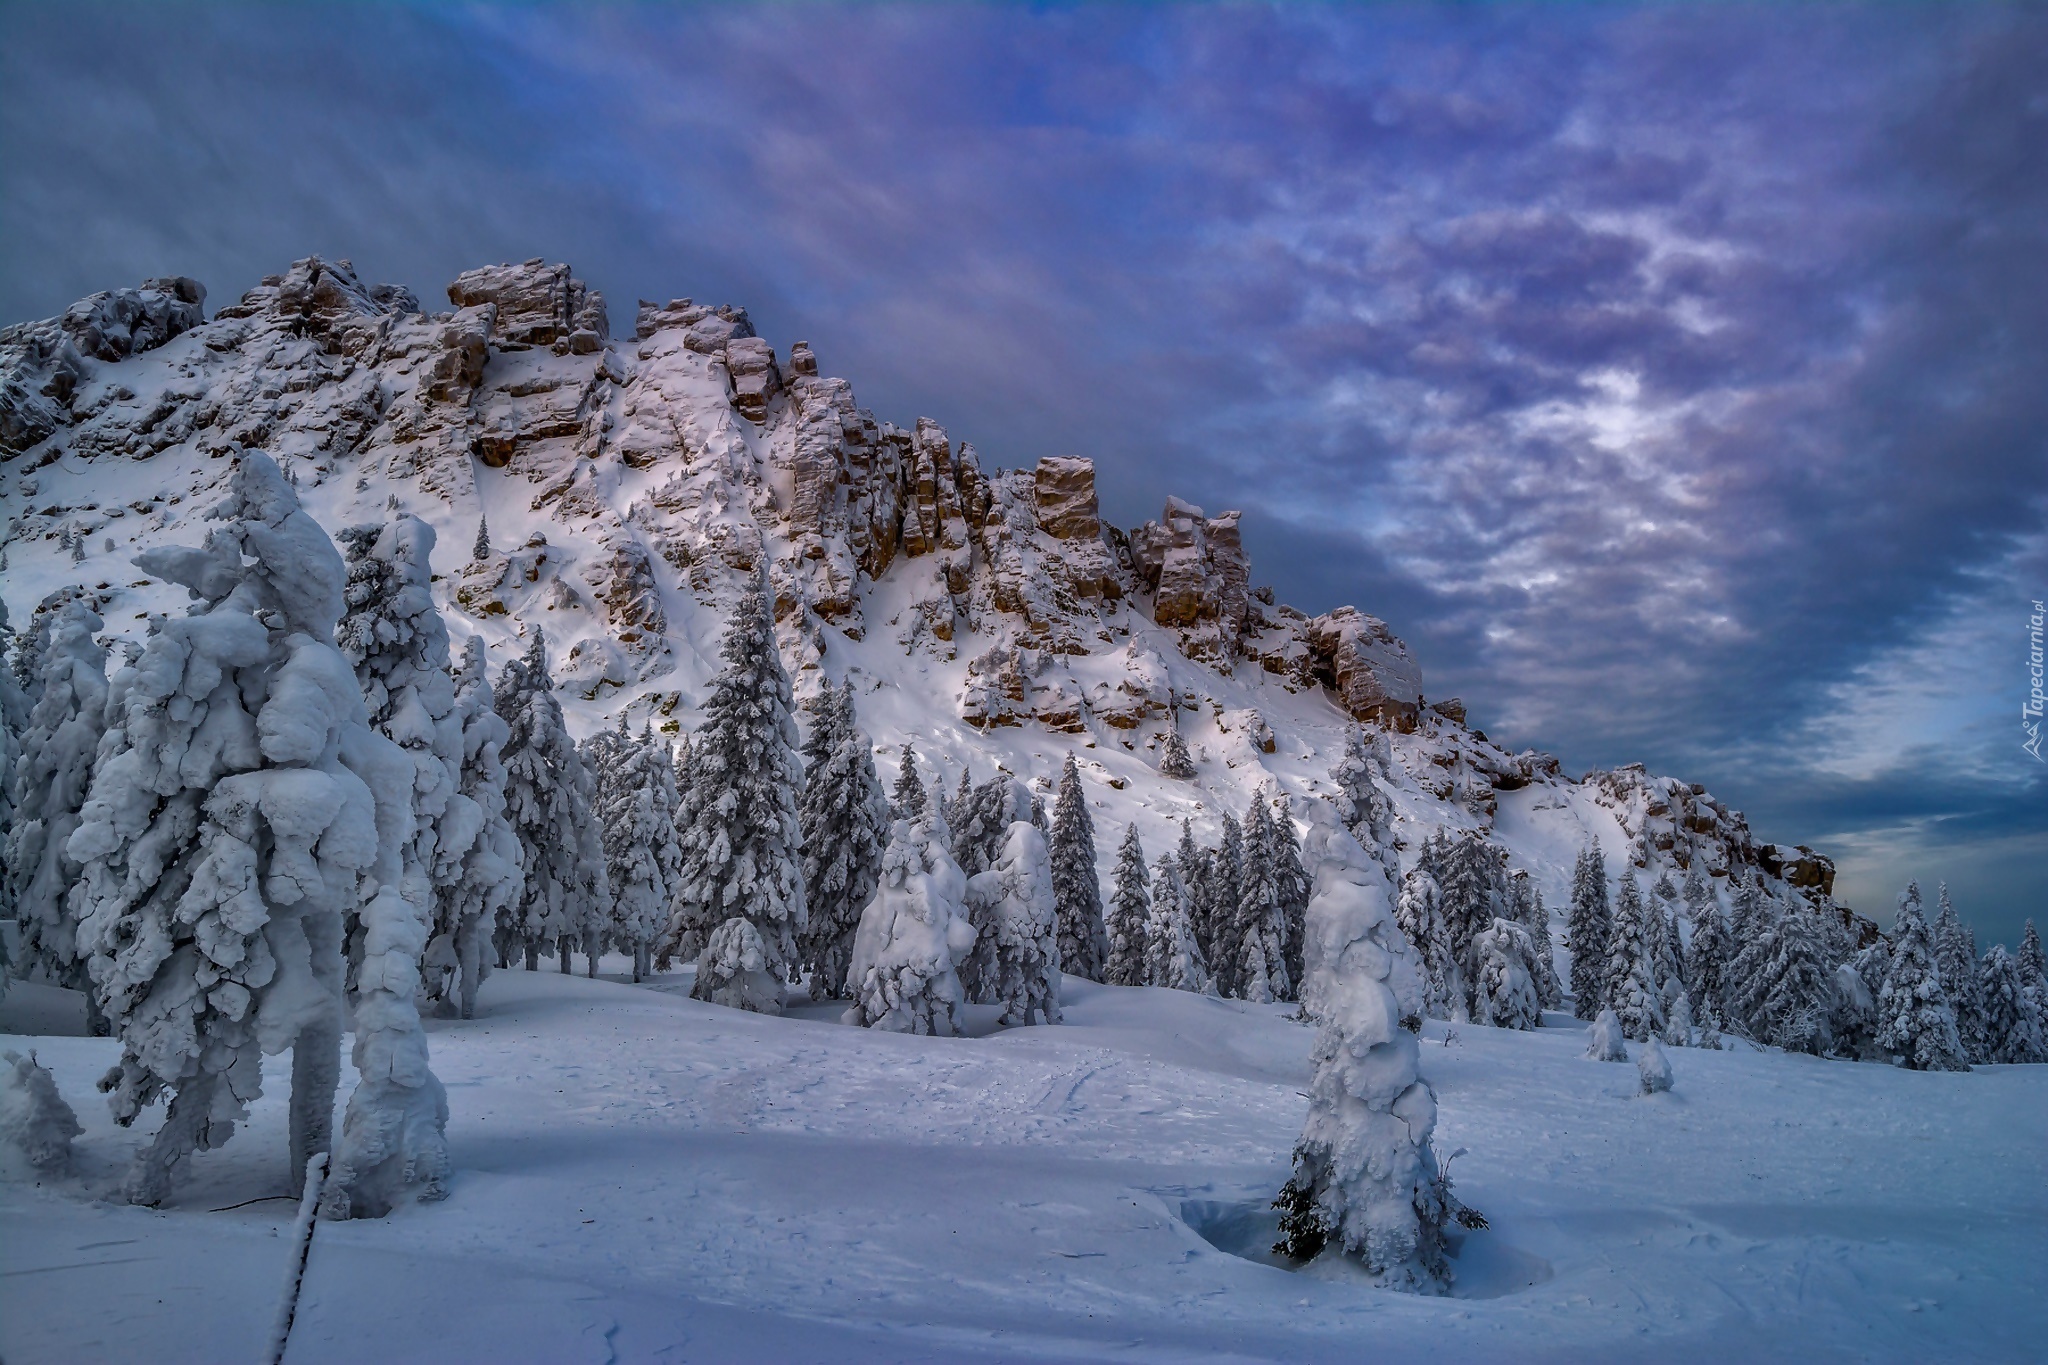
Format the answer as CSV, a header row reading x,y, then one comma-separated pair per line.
x,y
2030,710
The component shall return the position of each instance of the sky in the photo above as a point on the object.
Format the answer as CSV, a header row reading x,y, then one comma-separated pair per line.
x,y
1674,379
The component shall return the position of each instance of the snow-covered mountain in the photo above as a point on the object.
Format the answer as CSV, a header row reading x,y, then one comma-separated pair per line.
x,y
634,486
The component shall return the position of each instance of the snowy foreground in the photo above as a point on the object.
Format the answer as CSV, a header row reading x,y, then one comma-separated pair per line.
x,y
638,1176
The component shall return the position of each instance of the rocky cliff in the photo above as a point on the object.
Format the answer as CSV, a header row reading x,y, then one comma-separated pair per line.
x,y
634,485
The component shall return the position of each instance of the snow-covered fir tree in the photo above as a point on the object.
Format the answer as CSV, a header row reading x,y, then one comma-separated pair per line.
x,y
1222,889
1175,761
1504,991
1708,966
1077,891
14,713
1012,903
636,812
1130,907
1173,956
1785,994
1605,1039
480,549
742,839
909,797
844,816
395,639
1955,953
985,815
2012,1029
961,803
50,780
1472,873
1294,891
1421,923
468,908
1914,1021
1533,915
1589,924
1365,1179
1630,986
1667,953
1360,802
1257,929
240,806
549,799
912,932
2033,965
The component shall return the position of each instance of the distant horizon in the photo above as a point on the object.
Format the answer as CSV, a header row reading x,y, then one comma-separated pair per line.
x,y
1667,378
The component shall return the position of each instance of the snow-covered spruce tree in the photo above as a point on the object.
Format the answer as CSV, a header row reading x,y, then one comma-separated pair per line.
x,y
1654,1068
1604,1039
1421,923
1533,915
2033,965
468,908
1588,926
1504,993
909,796
1175,761
1955,953
1472,873
844,817
1914,1021
1360,802
912,932
1130,907
2012,1026
1667,950
1077,891
985,816
1294,892
480,549
34,1118
1014,900
742,839
636,812
50,781
14,713
240,806
1256,927
1173,956
549,799
395,639
1039,820
1786,995
1707,960
960,804
1222,889
1365,1179
1630,986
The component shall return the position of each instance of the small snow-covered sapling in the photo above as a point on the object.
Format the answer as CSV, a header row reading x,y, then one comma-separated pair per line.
x,y
1604,1039
1654,1067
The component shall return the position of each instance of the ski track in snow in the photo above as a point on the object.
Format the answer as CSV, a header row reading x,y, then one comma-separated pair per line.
x,y
642,1177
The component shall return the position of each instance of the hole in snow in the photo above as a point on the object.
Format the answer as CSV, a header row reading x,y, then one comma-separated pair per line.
x,y
1485,1266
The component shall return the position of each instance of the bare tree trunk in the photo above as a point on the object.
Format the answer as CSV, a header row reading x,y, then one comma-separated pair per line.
x,y
316,1052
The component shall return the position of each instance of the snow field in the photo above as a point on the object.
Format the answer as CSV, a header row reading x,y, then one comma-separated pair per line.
x,y
638,1176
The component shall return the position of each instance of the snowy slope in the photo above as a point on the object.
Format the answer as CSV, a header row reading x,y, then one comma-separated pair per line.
x,y
642,1177
634,486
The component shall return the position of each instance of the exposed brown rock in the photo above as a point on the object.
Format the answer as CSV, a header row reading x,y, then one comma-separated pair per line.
x,y
1370,669
1066,505
538,303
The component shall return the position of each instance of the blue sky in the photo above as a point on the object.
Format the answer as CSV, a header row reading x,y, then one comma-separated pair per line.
x,y
1674,379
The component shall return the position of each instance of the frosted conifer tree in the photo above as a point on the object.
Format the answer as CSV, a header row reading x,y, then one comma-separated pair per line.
x,y
1914,1020
1588,926
2011,1023
961,804
50,781
742,839
1014,899
396,641
1707,960
1667,952
1077,891
844,817
912,933
549,799
1363,807
1421,923
14,713
909,795
1222,888
636,810
1365,1178
987,814
1786,992
1173,956
481,549
1604,1039
468,908
239,803
1504,992
2033,965
1294,892
1630,986
1474,894
1175,761
1955,953
1532,915
1256,928
1130,908
34,1118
